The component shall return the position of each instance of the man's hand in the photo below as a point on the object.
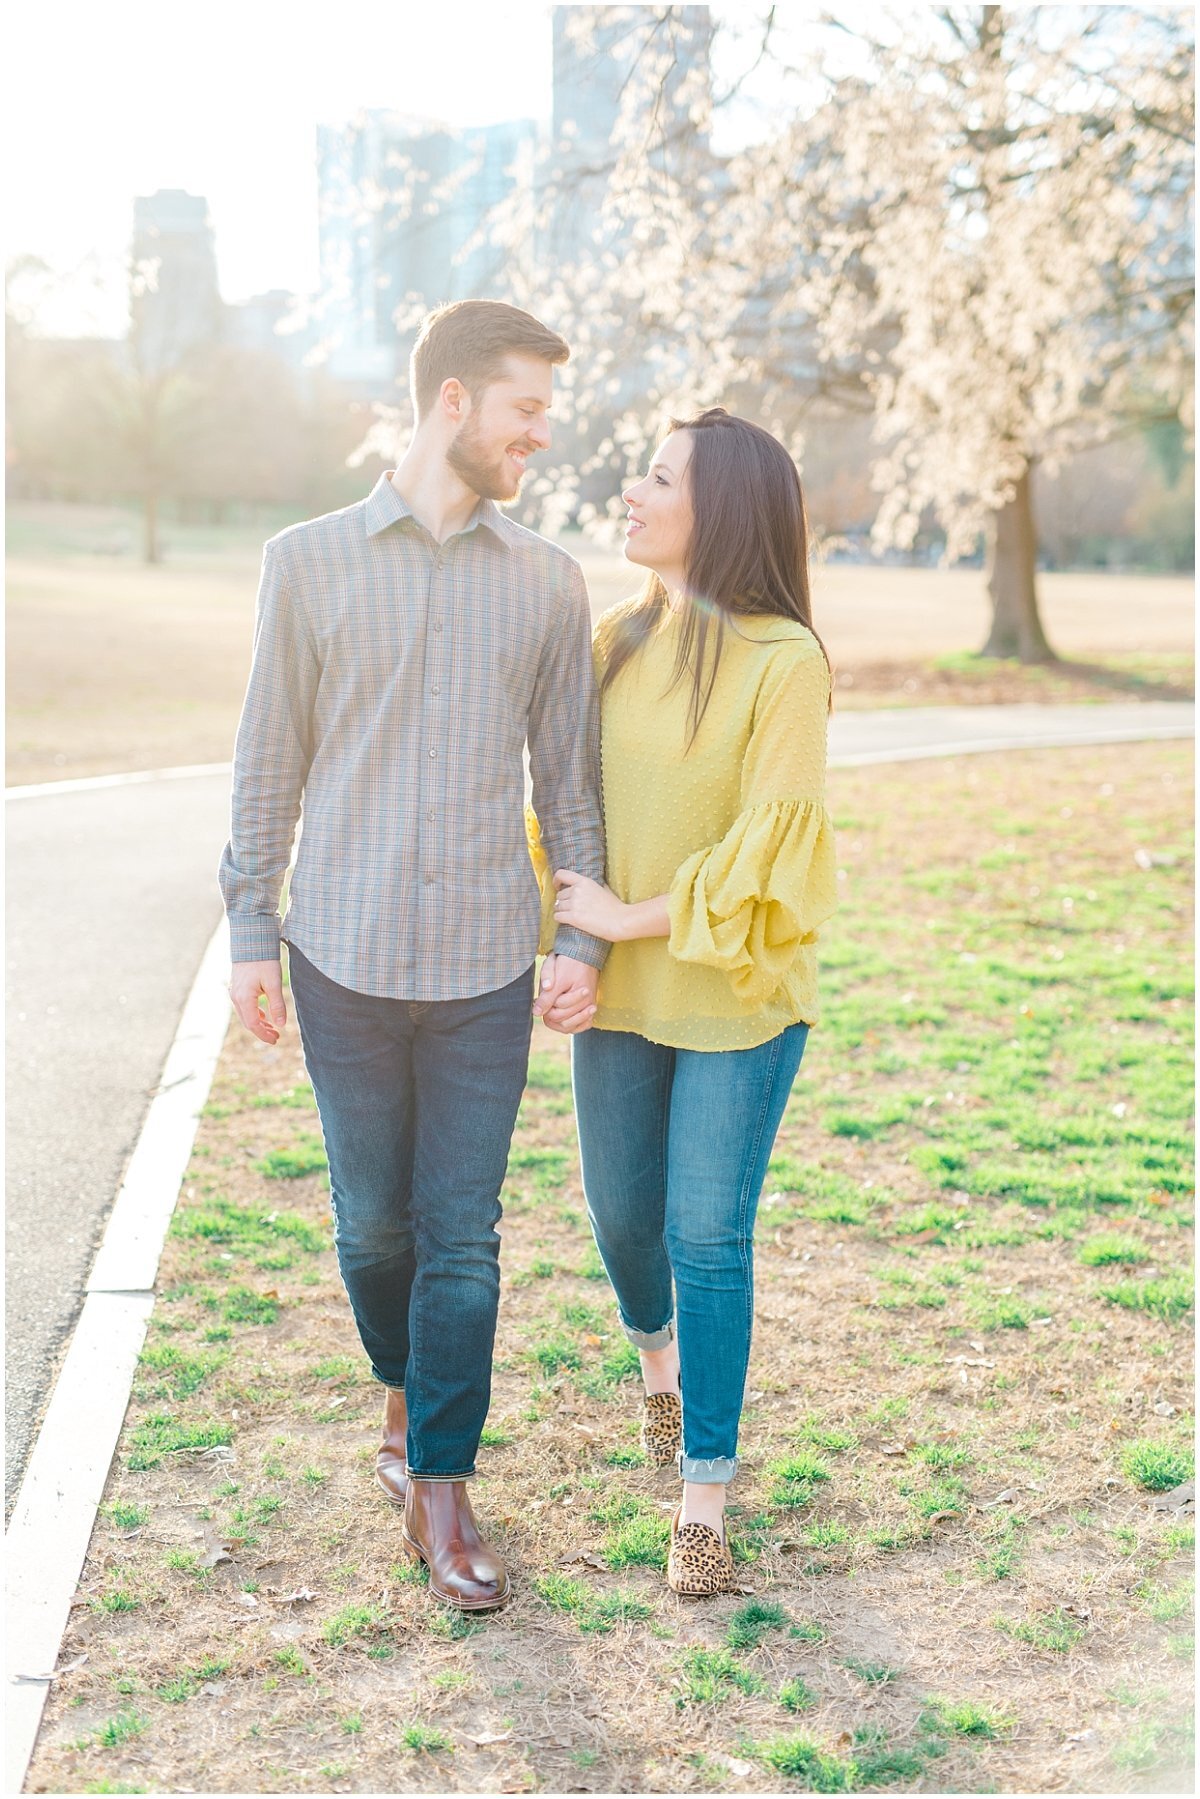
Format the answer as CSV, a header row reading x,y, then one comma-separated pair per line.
x,y
566,1000
255,982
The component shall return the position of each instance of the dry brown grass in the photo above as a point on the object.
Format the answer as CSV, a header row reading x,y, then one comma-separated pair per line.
x,y
113,666
870,1330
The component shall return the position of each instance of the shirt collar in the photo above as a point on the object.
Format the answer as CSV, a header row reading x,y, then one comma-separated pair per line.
x,y
385,506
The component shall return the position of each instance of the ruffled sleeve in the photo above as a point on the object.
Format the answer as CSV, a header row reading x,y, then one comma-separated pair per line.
x,y
545,881
747,904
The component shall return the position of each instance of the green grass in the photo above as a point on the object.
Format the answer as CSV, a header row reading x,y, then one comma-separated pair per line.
x,y
800,1759
711,1675
641,1543
1156,1465
161,1435
352,1623
549,1073
1053,1634
1168,1299
425,1739
794,1477
876,1674
122,1729
258,1233
180,1374
594,1613
961,1717
306,1155
796,1696
127,1516
1108,1247
243,1306
752,1622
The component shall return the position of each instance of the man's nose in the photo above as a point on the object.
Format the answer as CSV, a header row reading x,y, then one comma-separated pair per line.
x,y
539,432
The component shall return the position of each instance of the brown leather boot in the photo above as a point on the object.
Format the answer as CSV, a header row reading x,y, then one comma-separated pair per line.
x,y
391,1458
440,1530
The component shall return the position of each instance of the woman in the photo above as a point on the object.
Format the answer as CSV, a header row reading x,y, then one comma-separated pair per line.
x,y
714,696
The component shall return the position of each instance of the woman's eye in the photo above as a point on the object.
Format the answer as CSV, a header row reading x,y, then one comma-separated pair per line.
x,y
660,480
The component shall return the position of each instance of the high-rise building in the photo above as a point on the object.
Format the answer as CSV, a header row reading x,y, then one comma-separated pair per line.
x,y
606,58
402,205
174,301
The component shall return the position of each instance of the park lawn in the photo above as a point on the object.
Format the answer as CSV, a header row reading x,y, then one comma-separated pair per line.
x,y
963,1565
115,667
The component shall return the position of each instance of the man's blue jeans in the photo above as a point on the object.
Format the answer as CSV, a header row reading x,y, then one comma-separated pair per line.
x,y
418,1101
675,1145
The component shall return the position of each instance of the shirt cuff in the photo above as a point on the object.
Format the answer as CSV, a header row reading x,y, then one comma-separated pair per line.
x,y
253,937
571,942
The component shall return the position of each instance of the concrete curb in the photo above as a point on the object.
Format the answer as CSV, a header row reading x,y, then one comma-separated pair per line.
x,y
52,1521
85,783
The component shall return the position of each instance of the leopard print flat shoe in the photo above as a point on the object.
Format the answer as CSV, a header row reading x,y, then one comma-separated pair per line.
x,y
662,1428
700,1563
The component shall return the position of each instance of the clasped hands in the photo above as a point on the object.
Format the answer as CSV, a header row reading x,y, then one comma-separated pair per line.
x,y
566,999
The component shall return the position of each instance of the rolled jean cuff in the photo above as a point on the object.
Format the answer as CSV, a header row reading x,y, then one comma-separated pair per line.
x,y
650,1339
412,1474
719,1470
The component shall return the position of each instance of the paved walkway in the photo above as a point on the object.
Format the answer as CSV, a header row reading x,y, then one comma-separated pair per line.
x,y
112,898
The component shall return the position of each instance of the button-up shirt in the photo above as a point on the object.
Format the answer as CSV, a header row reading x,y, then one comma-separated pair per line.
x,y
394,685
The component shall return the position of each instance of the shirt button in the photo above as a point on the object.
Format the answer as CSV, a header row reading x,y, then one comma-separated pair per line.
x,y
436,690
429,881
433,752
431,815
438,625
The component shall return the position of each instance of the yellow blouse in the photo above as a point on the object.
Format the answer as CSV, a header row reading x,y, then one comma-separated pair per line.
x,y
735,832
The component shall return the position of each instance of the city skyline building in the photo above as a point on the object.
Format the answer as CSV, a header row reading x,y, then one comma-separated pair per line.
x,y
402,204
175,299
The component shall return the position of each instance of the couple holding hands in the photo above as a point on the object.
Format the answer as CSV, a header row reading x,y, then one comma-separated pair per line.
x,y
407,650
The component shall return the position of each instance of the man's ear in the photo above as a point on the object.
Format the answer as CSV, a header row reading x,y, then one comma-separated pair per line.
x,y
454,399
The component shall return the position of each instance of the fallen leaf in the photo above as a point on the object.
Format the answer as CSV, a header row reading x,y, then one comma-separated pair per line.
x,y
587,1556
45,1679
299,1597
940,1517
246,1599
216,1689
1008,1496
488,1737
592,1340
1181,1498
1164,1409
740,1768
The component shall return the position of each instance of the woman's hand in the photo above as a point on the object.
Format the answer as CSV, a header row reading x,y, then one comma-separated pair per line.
x,y
589,907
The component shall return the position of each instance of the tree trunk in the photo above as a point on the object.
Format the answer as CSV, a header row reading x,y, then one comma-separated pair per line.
x,y
1012,581
150,545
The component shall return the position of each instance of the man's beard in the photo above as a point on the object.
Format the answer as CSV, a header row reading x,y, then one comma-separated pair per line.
x,y
491,480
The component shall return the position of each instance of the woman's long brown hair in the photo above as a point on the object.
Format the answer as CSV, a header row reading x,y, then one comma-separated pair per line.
x,y
748,552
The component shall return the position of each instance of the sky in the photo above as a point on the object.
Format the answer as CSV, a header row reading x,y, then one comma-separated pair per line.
x,y
107,101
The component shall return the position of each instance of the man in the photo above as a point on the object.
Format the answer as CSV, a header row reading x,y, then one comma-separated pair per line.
x,y
406,649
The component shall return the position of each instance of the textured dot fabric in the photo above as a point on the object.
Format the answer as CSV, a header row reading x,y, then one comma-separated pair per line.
x,y
733,830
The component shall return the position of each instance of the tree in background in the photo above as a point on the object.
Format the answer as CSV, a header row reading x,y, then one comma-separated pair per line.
x,y
978,226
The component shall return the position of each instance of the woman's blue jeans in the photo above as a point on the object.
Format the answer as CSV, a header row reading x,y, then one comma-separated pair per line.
x,y
417,1102
675,1145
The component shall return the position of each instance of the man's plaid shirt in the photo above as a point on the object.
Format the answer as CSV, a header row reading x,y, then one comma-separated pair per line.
x,y
394,684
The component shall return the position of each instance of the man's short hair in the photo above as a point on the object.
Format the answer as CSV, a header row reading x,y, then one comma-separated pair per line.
x,y
469,340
